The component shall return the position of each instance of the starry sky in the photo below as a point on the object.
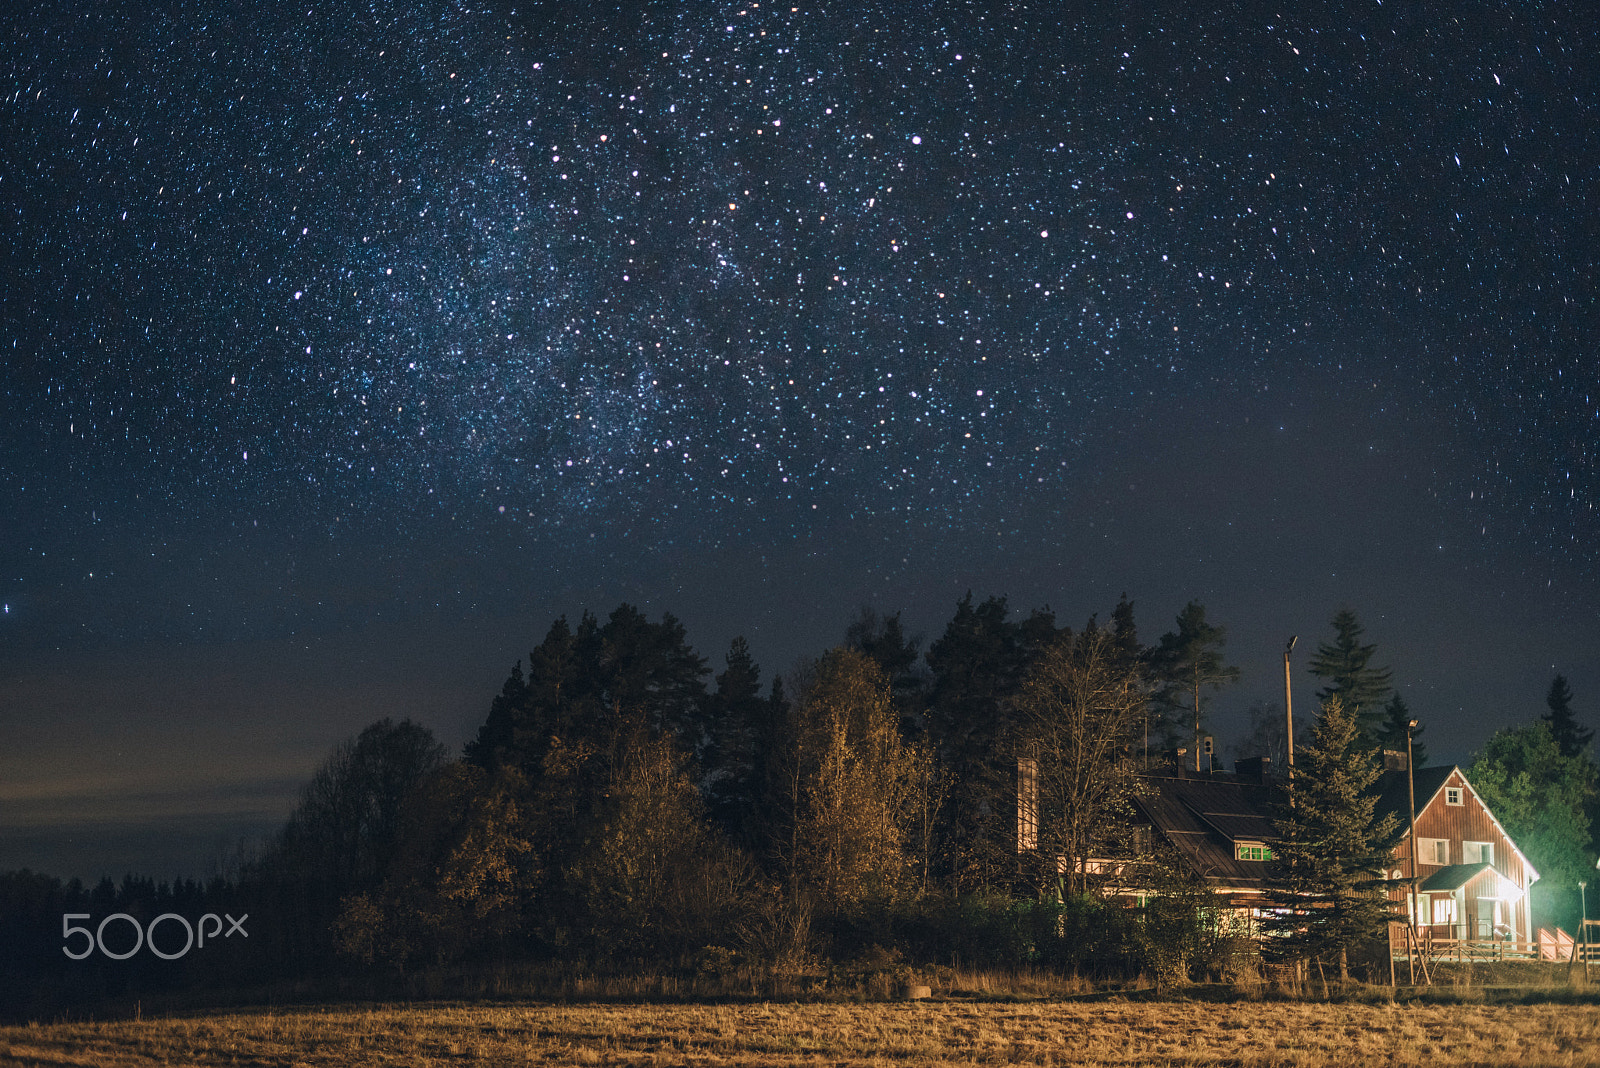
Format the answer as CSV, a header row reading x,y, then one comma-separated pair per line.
x,y
343,345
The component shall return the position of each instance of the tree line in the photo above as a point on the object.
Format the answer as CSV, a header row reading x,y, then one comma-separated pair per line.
x,y
624,803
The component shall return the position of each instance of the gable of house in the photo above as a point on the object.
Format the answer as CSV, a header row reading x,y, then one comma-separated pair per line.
x,y
1472,879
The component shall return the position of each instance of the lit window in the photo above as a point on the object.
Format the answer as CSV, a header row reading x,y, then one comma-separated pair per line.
x,y
1433,850
1444,910
1452,795
1477,852
1251,851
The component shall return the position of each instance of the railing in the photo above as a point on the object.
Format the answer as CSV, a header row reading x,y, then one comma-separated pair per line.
x,y
1465,950
1458,946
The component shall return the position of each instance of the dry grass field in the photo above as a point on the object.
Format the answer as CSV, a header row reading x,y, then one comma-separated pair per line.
x,y
1102,1032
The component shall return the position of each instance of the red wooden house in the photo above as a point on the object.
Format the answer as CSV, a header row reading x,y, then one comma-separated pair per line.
x,y
1472,880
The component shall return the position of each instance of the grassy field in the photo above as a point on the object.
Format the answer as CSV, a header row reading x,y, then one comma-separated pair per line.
x,y
1114,1031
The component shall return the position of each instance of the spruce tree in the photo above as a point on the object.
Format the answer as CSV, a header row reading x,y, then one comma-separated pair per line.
x,y
1572,738
1328,889
1392,731
1125,638
977,667
730,751
1347,665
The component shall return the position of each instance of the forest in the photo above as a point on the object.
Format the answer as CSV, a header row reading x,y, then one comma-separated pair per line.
x,y
626,807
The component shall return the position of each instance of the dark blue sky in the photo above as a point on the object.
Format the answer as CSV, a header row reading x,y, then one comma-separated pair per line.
x,y
344,348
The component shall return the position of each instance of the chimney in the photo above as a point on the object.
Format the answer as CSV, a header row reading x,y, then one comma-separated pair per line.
x,y
1027,803
1253,769
1180,770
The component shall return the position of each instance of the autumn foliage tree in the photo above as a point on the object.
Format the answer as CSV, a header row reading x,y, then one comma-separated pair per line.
x,y
462,880
861,788
654,876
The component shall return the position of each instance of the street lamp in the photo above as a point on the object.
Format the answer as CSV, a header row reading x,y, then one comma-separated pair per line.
x,y
1288,704
1583,931
1411,797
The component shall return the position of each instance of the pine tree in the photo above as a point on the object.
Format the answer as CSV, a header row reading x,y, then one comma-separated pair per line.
x,y
731,751
1392,732
1346,664
1328,889
1188,661
1572,738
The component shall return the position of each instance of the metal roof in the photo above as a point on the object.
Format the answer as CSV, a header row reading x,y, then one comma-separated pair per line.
x,y
1204,818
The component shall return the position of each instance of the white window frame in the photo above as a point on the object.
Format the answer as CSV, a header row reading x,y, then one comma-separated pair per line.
x,y
1429,850
1477,852
1455,796
1442,909
1244,851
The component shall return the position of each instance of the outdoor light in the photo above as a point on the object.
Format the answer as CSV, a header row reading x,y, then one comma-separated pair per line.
x,y
1288,706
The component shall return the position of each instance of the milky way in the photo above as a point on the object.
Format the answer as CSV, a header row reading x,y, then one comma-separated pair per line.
x,y
343,345
556,265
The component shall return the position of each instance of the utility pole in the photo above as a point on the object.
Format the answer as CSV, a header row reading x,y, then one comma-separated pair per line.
x,y
1288,704
1411,797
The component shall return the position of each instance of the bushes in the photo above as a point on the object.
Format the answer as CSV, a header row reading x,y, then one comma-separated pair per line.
x,y
1173,939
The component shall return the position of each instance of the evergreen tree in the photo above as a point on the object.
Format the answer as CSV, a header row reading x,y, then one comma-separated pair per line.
x,y
1187,662
1543,798
1328,888
1392,731
1572,738
732,750
1347,665
1125,647
883,638
594,685
976,666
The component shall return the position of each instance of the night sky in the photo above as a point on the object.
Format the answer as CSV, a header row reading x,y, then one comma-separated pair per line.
x,y
345,345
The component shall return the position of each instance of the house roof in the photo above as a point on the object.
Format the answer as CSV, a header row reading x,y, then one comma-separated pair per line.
x,y
1453,877
1394,800
1203,818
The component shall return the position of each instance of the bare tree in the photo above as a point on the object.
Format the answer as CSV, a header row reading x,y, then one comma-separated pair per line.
x,y
1081,709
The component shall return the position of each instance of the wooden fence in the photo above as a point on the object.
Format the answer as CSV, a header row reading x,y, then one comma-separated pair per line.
x,y
1556,946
